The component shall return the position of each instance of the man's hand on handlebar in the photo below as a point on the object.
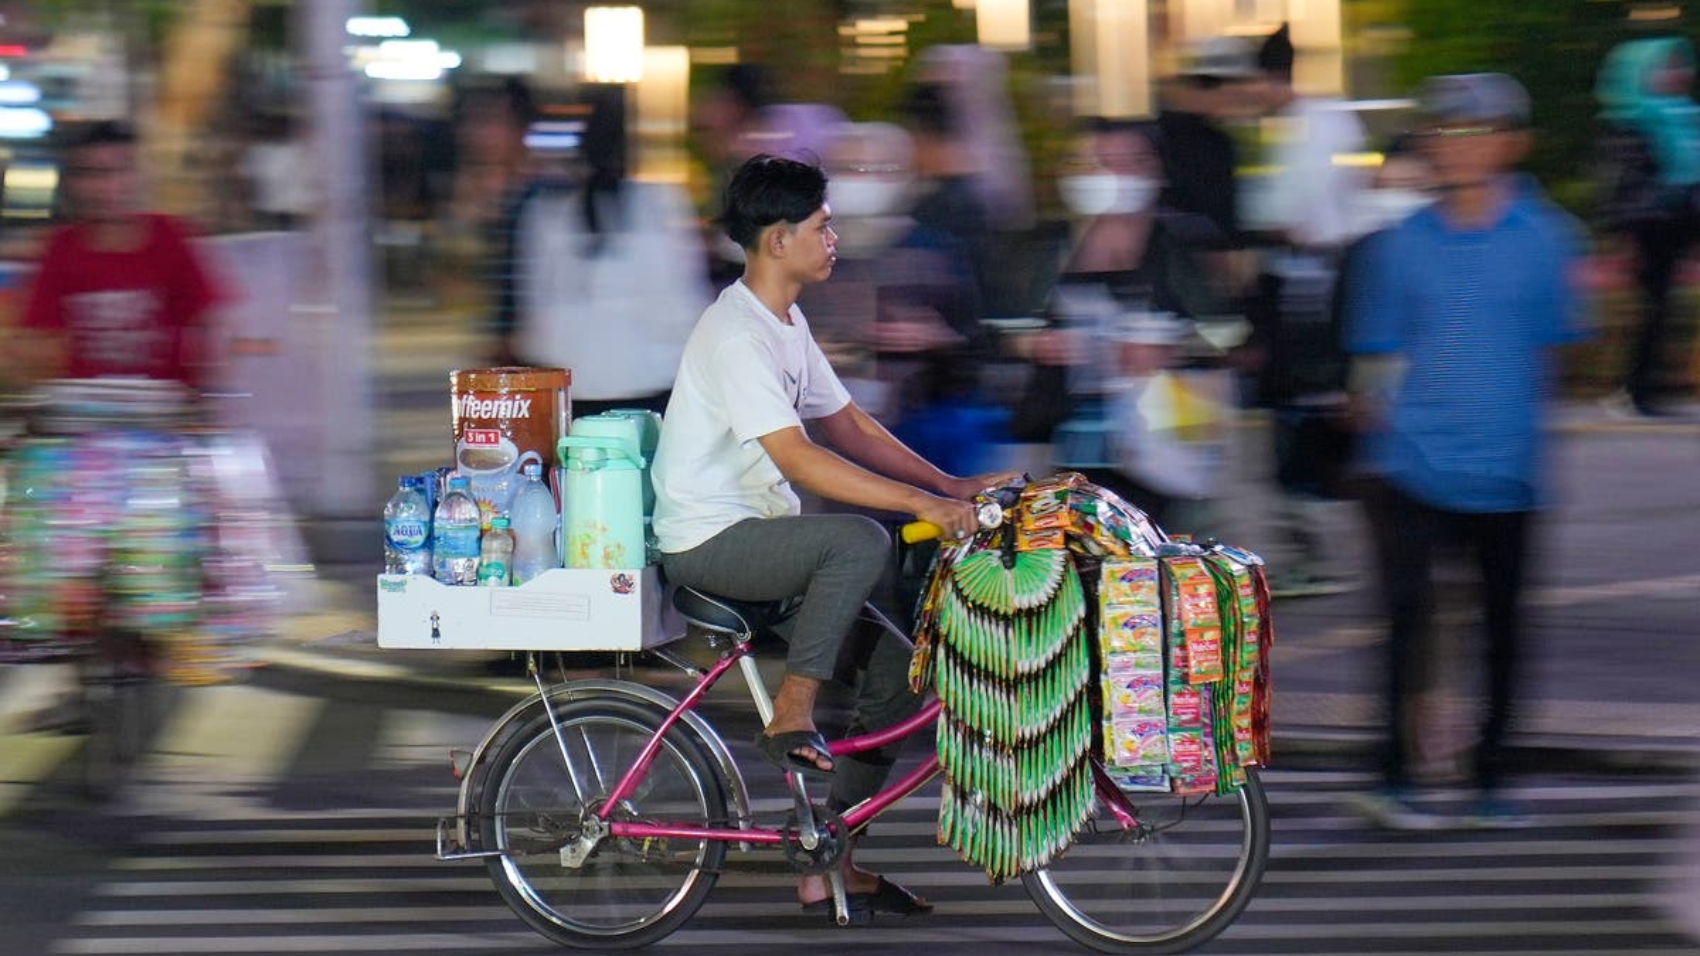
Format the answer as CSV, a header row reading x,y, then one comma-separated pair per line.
x,y
967,488
955,519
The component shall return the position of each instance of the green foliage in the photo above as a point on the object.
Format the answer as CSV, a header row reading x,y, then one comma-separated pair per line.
x,y
1553,47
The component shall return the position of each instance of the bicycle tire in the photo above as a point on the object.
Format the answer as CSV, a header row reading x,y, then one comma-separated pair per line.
x,y
1170,885
625,894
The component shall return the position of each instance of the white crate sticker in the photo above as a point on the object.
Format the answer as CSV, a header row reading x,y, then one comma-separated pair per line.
x,y
510,602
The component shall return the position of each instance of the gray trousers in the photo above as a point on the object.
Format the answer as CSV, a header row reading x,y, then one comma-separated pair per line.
x,y
833,561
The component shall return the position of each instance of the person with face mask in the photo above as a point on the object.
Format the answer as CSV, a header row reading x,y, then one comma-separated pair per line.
x,y
1120,320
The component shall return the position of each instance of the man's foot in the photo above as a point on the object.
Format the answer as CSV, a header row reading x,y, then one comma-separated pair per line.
x,y
1494,812
1391,809
883,896
804,751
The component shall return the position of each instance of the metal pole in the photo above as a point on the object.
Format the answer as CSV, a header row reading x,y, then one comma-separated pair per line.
x,y
340,239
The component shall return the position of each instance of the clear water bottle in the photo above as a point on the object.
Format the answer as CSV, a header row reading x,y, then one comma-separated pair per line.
x,y
407,529
496,555
454,540
534,525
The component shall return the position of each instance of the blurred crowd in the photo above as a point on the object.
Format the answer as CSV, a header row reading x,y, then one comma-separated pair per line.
x,y
1393,306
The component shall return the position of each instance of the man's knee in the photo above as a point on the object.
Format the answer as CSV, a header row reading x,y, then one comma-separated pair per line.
x,y
860,540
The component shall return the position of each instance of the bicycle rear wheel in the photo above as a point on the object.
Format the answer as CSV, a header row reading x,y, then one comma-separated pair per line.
x,y
541,795
1175,880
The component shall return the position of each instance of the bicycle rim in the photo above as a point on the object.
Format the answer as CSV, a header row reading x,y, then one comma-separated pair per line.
x,y
626,893
1176,881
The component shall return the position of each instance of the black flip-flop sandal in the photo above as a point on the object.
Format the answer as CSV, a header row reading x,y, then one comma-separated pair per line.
x,y
778,750
888,897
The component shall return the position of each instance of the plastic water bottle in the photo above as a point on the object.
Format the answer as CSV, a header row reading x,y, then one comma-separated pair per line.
x,y
454,544
407,529
496,554
535,522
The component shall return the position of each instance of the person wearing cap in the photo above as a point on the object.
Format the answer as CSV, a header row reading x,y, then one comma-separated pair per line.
x,y
1199,156
1306,213
1451,324
1649,188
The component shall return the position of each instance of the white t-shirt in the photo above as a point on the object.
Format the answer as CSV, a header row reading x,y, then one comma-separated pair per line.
x,y
618,319
745,374
1311,193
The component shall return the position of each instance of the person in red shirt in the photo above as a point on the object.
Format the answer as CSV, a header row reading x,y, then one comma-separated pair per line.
x,y
119,291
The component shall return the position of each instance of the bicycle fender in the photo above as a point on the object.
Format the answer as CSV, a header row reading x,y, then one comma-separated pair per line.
x,y
601,687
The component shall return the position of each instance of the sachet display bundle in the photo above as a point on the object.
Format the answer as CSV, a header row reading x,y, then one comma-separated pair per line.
x,y
1078,629
126,530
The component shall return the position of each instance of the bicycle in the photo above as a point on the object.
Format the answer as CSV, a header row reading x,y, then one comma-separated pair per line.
x,y
604,811
105,506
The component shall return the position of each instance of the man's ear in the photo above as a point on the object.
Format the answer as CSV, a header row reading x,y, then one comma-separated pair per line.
x,y
1522,141
776,240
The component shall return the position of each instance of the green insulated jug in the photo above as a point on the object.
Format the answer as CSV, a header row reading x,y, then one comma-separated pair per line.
x,y
601,499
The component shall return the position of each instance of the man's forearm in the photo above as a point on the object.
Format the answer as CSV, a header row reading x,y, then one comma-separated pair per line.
x,y
863,440
825,472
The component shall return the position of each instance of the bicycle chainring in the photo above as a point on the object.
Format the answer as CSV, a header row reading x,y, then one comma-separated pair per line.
x,y
834,839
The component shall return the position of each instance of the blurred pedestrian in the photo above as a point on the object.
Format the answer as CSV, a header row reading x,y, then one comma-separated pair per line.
x,y
121,294
496,177
1138,407
1306,212
871,179
119,290
1649,190
929,337
1451,323
974,81
589,291
744,113
279,172
1200,158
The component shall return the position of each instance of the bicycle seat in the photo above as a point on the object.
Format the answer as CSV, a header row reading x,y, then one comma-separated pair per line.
x,y
728,616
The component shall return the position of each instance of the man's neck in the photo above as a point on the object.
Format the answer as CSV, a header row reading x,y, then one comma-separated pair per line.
x,y
773,289
118,234
1478,205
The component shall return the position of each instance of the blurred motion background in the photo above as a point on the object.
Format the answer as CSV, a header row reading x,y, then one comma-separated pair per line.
x,y
348,164
325,150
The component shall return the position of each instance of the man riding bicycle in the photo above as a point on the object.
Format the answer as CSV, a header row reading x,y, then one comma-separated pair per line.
x,y
729,522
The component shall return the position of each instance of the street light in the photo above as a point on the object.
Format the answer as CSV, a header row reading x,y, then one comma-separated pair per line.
x,y
1003,24
613,44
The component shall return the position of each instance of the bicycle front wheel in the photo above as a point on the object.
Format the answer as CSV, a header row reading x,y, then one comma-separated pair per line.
x,y
1167,884
541,798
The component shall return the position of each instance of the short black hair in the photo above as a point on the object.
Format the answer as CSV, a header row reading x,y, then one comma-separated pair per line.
x,y
751,84
1275,56
1112,125
926,108
769,189
105,133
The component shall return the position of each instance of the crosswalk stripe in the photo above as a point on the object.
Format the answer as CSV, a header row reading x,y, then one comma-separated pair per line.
x,y
349,876
295,915
28,759
237,732
387,943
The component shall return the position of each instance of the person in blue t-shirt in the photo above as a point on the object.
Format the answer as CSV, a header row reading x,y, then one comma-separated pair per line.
x,y
1451,323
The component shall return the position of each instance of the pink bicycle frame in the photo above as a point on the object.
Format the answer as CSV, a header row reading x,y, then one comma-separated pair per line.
x,y
854,818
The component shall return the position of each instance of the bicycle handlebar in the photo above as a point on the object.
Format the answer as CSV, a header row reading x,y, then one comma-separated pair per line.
x,y
916,532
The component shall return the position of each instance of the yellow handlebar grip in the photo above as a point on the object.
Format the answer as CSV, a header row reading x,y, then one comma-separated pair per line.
x,y
916,532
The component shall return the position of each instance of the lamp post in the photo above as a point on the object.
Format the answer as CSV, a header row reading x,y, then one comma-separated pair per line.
x,y
613,44
1003,24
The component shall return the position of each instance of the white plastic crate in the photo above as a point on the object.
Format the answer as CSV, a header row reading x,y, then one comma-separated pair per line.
x,y
563,609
